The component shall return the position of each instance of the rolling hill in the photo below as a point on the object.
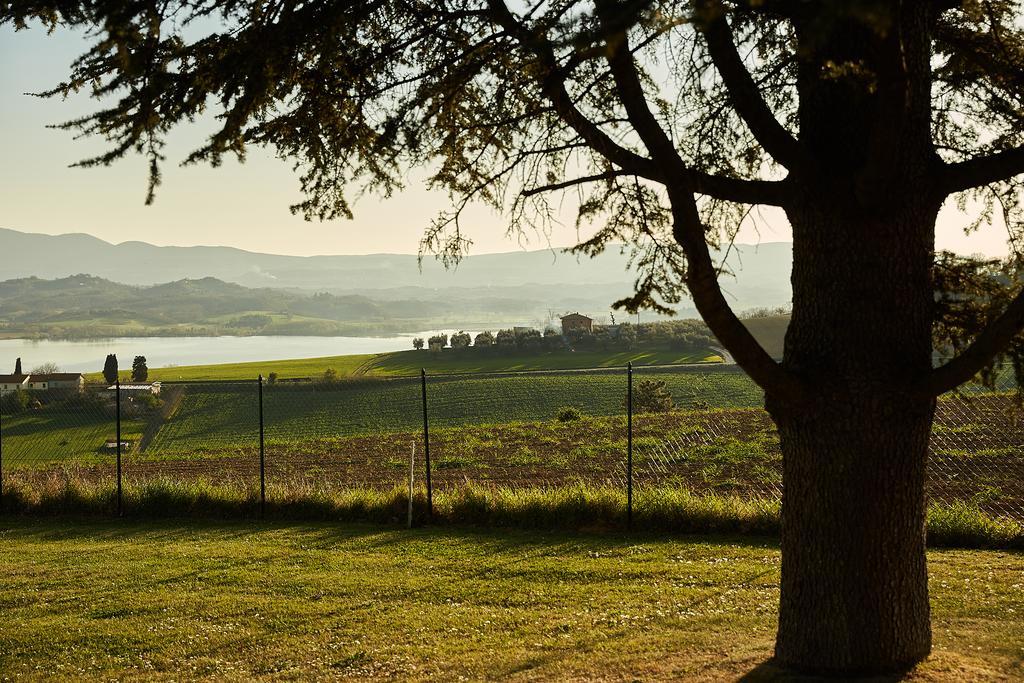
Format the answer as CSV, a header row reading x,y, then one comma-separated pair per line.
x,y
762,271
135,289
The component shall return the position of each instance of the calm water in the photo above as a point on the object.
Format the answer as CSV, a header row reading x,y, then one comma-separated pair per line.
x,y
161,352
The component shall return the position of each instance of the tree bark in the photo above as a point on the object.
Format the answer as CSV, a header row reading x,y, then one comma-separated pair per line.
x,y
854,587
854,581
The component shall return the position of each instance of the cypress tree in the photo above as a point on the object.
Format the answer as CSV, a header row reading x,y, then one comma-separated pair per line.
x,y
110,369
140,372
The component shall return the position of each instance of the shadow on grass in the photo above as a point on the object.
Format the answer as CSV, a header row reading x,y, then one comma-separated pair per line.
x,y
327,535
771,672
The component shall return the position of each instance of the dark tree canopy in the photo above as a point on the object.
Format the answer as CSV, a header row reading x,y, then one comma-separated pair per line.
x,y
110,369
667,123
140,371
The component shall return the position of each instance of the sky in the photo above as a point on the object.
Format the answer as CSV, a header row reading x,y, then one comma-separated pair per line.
x,y
241,205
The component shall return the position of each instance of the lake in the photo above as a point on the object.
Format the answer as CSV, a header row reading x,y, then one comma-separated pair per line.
x,y
161,352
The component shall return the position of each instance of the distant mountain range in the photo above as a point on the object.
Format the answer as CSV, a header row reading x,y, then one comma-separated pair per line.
x,y
86,306
388,292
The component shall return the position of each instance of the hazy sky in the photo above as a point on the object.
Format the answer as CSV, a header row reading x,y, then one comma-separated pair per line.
x,y
240,205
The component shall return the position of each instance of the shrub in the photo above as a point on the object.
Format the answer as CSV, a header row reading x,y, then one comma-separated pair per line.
x,y
150,401
460,340
553,340
505,340
16,401
255,321
484,339
417,343
328,380
580,339
569,414
651,396
272,378
529,340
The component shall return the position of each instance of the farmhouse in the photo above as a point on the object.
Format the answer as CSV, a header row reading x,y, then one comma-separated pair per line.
x,y
56,380
12,383
575,321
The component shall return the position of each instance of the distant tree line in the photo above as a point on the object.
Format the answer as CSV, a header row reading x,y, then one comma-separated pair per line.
x,y
766,312
675,335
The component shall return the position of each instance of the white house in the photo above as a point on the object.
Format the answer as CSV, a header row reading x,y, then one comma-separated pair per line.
x,y
57,380
12,383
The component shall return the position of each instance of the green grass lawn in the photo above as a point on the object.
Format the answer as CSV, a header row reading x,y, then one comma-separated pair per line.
x,y
64,431
770,331
411,362
301,367
101,600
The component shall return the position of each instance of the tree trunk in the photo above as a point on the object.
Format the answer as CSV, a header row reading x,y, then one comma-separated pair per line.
x,y
854,588
854,581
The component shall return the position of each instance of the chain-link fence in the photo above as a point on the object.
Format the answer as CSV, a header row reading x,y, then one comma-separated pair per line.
x,y
701,428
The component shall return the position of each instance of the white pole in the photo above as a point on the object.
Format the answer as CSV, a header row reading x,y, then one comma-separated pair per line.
x,y
412,474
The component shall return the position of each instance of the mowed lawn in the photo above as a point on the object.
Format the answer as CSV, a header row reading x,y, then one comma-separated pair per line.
x,y
411,362
285,369
119,599
449,361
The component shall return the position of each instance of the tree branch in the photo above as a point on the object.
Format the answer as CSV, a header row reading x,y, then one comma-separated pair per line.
x,y
993,339
702,282
765,192
769,193
744,93
981,171
688,229
553,187
555,90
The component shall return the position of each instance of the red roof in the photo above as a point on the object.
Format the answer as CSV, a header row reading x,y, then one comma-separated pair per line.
x,y
12,379
576,316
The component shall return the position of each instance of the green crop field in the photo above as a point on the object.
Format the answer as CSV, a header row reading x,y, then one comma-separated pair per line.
x,y
130,600
411,362
212,416
285,369
449,361
66,431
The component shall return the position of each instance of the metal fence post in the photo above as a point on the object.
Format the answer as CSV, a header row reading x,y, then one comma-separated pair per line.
x,y
263,464
629,446
426,444
117,403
